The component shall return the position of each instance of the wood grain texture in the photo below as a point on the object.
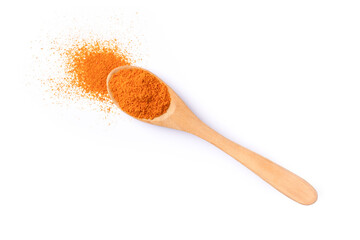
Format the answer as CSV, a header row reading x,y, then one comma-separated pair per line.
x,y
180,117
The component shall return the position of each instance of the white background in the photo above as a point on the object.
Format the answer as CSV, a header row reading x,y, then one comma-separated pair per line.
x,y
278,77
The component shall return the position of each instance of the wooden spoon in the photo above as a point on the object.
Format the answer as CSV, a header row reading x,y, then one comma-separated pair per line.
x,y
180,117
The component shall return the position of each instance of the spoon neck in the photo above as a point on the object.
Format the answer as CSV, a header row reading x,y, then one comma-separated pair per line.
x,y
202,130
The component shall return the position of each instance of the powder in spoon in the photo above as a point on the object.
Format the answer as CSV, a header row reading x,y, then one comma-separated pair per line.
x,y
139,93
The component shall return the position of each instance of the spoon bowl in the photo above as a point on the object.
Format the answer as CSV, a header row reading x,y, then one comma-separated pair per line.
x,y
179,116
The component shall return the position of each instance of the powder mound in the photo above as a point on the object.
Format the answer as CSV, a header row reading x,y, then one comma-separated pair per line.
x,y
86,64
139,93
89,63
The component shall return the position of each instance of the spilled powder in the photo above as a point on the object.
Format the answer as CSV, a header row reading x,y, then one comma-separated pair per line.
x,y
86,64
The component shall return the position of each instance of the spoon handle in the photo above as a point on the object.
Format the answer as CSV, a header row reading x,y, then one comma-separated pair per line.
x,y
280,178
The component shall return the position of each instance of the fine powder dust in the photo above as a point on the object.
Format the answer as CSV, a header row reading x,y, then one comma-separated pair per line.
x,y
86,64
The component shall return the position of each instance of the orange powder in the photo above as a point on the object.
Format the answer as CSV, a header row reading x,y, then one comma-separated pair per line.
x,y
87,64
140,93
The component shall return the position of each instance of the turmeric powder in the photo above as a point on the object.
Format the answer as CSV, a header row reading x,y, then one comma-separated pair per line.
x,y
139,93
87,64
